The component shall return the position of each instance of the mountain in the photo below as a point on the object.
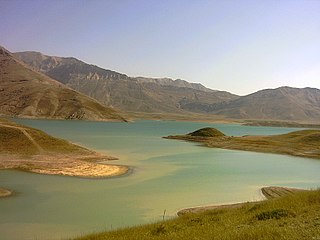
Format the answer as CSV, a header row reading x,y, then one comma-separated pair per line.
x,y
284,103
27,93
114,89
165,95
174,83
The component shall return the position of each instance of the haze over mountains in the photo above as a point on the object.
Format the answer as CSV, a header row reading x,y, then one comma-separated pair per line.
x,y
26,93
150,95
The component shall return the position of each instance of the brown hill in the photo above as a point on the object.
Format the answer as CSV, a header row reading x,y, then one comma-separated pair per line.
x,y
26,93
284,103
164,95
130,94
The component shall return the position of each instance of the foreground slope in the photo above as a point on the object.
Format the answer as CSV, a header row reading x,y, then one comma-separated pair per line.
x,y
140,94
304,143
294,217
26,93
29,149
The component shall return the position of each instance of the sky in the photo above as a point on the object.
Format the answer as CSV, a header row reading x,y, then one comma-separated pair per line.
x,y
240,46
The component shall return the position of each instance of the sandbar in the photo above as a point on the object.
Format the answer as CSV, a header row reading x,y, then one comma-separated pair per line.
x,y
62,164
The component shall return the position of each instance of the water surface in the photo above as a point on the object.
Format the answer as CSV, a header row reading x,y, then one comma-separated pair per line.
x,y
167,175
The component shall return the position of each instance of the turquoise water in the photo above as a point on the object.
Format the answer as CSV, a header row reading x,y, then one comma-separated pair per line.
x,y
166,175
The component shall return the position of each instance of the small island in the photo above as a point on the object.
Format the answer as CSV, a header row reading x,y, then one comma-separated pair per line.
x,y
32,150
304,143
5,192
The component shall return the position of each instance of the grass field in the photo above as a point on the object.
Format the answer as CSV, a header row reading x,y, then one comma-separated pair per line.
x,y
295,216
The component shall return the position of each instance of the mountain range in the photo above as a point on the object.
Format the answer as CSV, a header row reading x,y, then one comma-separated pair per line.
x,y
118,90
168,96
27,93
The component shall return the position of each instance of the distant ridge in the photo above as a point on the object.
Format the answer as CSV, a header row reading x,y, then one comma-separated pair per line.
x,y
284,103
26,93
147,95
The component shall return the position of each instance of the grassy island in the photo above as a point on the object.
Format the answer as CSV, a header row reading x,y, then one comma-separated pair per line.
x,y
303,143
32,150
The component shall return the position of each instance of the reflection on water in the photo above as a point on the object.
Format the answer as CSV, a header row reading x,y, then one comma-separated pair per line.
x,y
167,175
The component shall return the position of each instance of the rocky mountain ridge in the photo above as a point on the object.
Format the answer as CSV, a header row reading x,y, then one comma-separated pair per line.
x,y
164,95
30,94
123,92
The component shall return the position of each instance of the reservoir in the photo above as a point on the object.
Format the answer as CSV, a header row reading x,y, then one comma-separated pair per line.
x,y
166,175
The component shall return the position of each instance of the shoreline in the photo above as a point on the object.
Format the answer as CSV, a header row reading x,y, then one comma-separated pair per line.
x,y
72,165
268,193
32,150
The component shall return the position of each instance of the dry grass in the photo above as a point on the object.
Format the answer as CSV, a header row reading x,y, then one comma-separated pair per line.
x,y
295,216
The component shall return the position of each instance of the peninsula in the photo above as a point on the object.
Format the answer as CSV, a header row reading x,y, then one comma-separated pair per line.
x,y
32,150
303,143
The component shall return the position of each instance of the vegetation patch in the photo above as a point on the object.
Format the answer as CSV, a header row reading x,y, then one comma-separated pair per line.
x,y
274,214
207,132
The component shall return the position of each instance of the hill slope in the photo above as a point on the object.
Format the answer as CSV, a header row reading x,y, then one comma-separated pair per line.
x,y
26,93
30,149
284,103
130,94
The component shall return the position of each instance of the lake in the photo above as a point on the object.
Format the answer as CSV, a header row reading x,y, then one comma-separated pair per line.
x,y
165,175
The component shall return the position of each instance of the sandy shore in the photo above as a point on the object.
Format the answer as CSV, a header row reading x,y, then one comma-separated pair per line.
x,y
268,193
5,192
77,165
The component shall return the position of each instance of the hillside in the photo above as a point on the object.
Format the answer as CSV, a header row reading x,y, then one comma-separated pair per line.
x,y
284,103
26,93
164,95
146,95
303,143
32,150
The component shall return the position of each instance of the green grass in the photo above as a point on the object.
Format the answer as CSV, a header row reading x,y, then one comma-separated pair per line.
x,y
207,132
291,217
14,141
52,144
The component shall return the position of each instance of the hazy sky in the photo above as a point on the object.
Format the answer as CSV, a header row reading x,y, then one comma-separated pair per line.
x,y
236,45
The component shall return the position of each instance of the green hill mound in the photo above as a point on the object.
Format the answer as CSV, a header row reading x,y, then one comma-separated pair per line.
x,y
207,132
18,139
